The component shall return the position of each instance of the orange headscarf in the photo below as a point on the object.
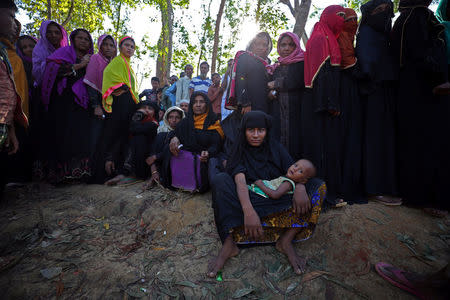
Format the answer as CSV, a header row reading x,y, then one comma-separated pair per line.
x,y
200,120
347,38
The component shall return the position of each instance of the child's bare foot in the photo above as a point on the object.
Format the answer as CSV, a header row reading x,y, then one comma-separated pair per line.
x,y
229,249
115,180
284,245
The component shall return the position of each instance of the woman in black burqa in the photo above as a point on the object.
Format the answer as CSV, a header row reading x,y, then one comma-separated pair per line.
x,y
423,115
244,217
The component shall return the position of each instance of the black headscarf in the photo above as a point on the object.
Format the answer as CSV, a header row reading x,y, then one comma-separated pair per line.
x,y
152,104
267,161
373,45
185,130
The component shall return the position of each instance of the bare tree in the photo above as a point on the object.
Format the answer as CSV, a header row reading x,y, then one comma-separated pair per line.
x,y
216,36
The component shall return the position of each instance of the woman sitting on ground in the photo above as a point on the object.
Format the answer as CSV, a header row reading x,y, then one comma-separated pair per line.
x,y
245,217
159,166
200,133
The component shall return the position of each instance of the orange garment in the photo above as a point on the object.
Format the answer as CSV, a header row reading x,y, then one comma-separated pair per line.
x,y
200,120
347,38
20,76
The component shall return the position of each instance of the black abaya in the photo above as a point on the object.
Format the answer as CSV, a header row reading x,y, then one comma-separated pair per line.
x,y
286,108
321,132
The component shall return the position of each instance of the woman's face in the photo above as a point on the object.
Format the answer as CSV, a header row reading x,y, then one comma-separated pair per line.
x,y
54,35
108,48
127,48
27,46
286,46
260,47
82,41
174,118
255,136
379,8
199,105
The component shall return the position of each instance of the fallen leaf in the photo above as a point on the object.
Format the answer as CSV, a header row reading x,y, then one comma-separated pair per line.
x,y
292,287
243,292
106,225
187,283
51,272
270,285
313,275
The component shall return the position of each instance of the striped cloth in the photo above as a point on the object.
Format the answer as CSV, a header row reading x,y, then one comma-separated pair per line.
x,y
200,85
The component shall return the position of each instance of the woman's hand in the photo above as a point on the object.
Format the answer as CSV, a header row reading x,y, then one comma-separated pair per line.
x,y
271,85
173,146
98,112
118,92
300,201
259,183
150,160
246,109
252,224
109,167
204,156
85,60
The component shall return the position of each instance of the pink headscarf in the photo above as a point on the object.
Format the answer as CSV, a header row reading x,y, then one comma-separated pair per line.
x,y
97,63
297,55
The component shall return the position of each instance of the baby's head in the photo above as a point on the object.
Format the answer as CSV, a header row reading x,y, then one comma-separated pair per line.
x,y
301,171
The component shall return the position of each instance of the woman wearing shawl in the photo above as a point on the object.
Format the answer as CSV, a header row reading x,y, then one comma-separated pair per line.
x,y
244,217
351,112
119,101
419,46
52,36
107,50
24,47
157,160
321,125
200,133
377,82
65,98
250,78
287,86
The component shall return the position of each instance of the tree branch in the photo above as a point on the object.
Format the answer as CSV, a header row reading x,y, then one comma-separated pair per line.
x,y
288,3
49,9
69,14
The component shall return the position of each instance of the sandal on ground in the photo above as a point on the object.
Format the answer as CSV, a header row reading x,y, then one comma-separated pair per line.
x,y
396,277
340,203
386,200
437,213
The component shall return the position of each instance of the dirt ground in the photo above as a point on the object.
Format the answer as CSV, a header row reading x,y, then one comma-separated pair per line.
x,y
96,242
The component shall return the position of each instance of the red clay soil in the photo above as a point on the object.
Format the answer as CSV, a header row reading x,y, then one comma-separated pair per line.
x,y
97,242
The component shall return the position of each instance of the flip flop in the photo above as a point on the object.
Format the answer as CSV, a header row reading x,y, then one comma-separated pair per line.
x,y
396,277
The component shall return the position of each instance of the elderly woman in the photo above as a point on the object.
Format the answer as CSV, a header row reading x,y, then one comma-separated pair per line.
x,y
199,133
422,107
287,87
119,102
248,87
245,217
65,97
157,161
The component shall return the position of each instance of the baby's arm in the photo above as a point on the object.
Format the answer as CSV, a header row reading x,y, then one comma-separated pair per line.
x,y
274,194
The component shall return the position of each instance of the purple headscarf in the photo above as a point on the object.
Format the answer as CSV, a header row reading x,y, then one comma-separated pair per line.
x,y
43,49
19,51
65,55
98,63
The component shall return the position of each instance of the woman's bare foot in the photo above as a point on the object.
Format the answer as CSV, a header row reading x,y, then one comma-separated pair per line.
x,y
229,249
115,180
284,245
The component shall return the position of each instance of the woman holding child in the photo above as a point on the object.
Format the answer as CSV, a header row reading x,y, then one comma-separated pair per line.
x,y
244,202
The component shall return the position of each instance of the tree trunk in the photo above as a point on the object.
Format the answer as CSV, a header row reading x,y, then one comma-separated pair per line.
x,y
216,36
49,9
300,11
165,42
117,25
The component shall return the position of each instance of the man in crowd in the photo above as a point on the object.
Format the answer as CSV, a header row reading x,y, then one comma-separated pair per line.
x,y
183,84
201,83
168,97
151,94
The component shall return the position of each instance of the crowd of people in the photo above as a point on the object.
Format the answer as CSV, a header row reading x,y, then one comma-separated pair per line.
x,y
367,117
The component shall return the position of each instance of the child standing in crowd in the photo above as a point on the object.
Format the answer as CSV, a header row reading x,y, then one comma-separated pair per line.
x,y
183,84
215,93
